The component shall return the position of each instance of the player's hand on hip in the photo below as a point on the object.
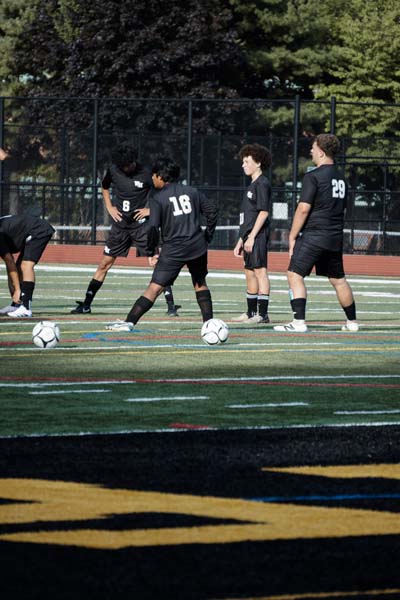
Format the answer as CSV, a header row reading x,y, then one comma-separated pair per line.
x,y
115,214
141,213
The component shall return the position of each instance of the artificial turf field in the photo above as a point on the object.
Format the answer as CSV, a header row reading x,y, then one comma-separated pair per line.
x,y
149,465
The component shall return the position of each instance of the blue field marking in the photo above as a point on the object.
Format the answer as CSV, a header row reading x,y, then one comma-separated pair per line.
x,y
318,498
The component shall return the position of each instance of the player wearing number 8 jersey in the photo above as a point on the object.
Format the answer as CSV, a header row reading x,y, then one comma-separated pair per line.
x,y
131,184
175,213
316,235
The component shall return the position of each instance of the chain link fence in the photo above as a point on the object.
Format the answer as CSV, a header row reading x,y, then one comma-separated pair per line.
x,y
61,147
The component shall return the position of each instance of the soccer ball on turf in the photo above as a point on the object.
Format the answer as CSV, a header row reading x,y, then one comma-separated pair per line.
x,y
46,334
214,331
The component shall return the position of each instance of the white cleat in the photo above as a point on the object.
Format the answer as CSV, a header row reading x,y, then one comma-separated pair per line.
x,y
8,309
120,326
20,313
293,327
351,326
243,318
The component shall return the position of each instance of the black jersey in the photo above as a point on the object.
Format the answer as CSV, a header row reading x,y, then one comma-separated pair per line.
x,y
15,230
256,198
130,192
176,211
326,190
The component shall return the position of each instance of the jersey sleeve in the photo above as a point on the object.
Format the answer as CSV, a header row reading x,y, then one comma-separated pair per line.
x,y
153,230
308,189
209,210
4,247
107,180
263,198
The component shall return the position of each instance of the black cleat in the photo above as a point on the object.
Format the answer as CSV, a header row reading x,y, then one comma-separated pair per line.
x,y
173,310
81,309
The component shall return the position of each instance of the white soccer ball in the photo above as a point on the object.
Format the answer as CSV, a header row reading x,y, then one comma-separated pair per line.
x,y
214,331
46,334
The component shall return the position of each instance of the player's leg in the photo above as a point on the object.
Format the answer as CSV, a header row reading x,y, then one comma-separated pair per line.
x,y
94,285
118,244
251,297
172,308
345,296
258,260
15,301
28,258
301,263
164,274
199,271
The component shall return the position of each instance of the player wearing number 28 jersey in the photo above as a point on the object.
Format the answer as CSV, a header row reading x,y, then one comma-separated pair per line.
x,y
316,236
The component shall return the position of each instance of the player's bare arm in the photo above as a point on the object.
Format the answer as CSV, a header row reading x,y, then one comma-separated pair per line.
x,y
300,217
3,154
13,277
237,251
111,209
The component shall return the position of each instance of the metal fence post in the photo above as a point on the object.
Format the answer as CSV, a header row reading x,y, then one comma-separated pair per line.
x,y
189,143
1,145
295,168
333,115
94,168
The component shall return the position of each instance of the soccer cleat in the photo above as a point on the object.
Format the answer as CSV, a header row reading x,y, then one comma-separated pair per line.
x,y
8,309
293,327
351,326
243,318
173,310
258,319
120,326
21,313
81,309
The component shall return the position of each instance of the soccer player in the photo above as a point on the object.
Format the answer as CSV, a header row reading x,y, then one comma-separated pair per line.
x,y
316,235
28,235
131,184
175,211
254,233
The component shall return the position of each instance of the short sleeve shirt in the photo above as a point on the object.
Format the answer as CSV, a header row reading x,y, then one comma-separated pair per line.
x,y
256,198
326,190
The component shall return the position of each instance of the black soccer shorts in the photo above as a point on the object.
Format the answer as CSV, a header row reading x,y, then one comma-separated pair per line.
x,y
121,240
327,263
258,258
167,270
36,243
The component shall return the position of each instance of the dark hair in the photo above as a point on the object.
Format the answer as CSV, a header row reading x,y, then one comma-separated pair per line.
x,y
258,153
166,168
124,156
328,143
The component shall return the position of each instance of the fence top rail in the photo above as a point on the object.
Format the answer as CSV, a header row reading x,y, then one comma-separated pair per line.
x,y
190,99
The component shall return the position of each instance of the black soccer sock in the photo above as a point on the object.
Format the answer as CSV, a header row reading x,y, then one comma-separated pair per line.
x,y
141,306
263,301
169,296
27,288
92,290
204,301
350,311
251,304
299,308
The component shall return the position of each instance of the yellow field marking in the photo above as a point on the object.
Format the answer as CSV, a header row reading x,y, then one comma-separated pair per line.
x,y
391,471
353,594
52,501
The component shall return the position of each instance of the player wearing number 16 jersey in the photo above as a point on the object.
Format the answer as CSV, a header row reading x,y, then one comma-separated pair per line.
x,y
316,236
175,215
